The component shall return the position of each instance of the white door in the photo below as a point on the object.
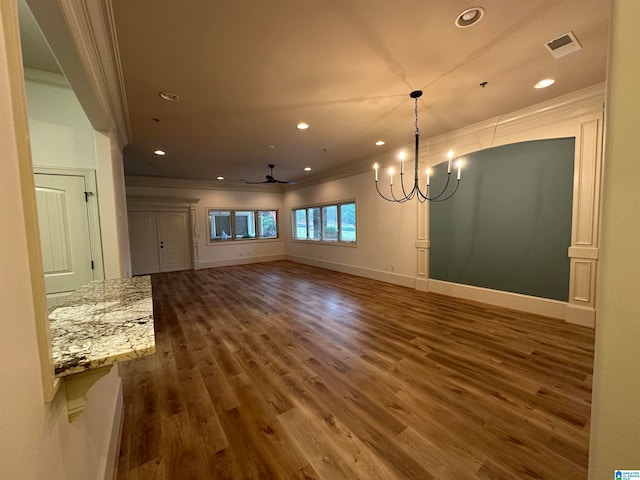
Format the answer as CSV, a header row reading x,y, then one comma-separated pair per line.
x,y
64,234
159,242
173,228
143,236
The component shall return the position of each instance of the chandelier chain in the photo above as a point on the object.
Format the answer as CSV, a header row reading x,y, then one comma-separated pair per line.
x,y
416,115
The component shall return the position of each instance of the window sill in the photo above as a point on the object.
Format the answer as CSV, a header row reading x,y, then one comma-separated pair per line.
x,y
324,242
243,241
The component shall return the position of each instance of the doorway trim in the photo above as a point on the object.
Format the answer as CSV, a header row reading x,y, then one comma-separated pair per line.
x,y
95,237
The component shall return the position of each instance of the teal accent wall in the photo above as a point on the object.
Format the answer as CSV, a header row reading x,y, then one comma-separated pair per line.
x,y
509,225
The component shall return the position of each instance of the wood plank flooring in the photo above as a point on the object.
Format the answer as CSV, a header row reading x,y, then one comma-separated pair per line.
x,y
285,371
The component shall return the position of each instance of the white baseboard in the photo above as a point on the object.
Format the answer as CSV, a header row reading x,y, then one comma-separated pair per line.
x,y
422,284
237,261
515,301
579,315
111,463
389,277
525,303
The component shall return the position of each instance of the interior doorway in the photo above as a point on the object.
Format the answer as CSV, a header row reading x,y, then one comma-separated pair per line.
x,y
159,241
71,255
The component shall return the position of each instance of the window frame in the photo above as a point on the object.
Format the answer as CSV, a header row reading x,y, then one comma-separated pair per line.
x,y
256,229
320,236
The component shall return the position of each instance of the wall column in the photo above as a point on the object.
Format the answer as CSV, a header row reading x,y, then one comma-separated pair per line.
x,y
615,412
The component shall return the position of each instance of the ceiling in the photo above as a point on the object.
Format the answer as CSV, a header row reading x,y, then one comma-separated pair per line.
x,y
35,50
248,71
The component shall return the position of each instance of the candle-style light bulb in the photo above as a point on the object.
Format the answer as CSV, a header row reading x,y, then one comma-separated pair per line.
x,y
450,155
402,155
375,168
459,168
428,176
391,176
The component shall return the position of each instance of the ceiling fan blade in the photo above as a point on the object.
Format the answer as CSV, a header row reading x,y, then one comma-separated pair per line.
x,y
270,178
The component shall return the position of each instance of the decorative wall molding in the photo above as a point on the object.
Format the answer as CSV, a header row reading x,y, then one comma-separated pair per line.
x,y
515,301
584,252
580,115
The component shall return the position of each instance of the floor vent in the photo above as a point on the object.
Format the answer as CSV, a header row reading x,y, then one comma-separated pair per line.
x,y
563,45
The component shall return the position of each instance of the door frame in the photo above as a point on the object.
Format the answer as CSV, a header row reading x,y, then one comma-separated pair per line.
x,y
161,204
95,236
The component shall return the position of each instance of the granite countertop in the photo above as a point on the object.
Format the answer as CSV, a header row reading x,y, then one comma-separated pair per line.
x,y
103,322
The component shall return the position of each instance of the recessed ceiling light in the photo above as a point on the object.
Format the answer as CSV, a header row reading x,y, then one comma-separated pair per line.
x,y
160,152
469,17
379,143
270,146
307,169
547,82
302,126
171,97
220,177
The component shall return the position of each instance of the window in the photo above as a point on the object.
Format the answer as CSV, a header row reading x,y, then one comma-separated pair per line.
x,y
245,225
327,223
268,224
300,219
348,222
242,224
314,222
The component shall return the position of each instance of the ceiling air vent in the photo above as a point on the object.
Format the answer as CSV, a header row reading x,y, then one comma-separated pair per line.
x,y
563,45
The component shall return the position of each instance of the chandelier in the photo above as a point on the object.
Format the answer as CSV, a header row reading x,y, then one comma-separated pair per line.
x,y
446,192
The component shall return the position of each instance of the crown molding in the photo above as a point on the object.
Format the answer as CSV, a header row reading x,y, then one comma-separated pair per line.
x,y
81,35
163,182
135,201
92,26
485,134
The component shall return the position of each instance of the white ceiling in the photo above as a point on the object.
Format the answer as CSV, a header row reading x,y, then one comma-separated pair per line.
x,y
35,50
247,71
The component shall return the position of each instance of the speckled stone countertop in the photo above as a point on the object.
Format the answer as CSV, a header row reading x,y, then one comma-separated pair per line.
x,y
103,322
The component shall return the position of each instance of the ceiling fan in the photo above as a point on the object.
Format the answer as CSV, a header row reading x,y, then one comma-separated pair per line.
x,y
270,178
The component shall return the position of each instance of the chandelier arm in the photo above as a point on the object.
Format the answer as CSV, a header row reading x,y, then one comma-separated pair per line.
x,y
423,196
446,186
402,185
380,193
448,197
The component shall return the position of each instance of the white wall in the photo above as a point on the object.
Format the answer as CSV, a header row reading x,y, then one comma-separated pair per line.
x,y
113,207
615,415
386,232
61,135
220,253
36,439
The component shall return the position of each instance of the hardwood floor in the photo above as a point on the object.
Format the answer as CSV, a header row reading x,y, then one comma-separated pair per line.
x,y
280,370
